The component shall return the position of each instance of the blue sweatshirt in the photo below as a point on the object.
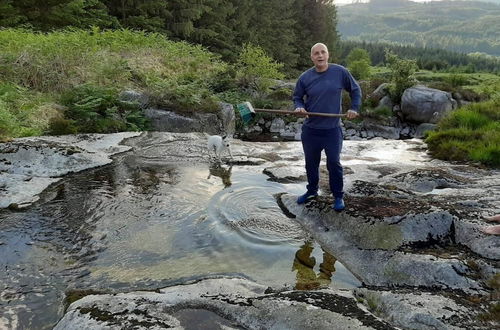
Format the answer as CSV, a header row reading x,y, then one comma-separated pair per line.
x,y
322,92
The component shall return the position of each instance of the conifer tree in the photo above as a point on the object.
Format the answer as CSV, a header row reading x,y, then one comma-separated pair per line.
x,y
148,15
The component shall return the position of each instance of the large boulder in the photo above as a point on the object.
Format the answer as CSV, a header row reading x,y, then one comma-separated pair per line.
x,y
421,104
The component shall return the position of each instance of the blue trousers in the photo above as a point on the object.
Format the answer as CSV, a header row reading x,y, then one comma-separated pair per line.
x,y
314,141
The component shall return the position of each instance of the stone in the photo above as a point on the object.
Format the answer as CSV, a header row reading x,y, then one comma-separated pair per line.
x,y
421,104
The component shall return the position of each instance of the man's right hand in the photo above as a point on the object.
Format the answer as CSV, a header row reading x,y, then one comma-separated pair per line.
x,y
301,110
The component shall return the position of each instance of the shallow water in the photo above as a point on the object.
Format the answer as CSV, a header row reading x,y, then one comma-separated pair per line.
x,y
141,224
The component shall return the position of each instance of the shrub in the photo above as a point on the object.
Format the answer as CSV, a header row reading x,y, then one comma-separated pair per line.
x,y
401,73
97,109
256,70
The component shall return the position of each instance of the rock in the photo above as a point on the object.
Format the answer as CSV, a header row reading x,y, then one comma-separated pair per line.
x,y
367,249
470,235
423,128
223,303
416,310
134,97
375,129
168,121
379,92
31,164
277,125
286,174
421,104
385,102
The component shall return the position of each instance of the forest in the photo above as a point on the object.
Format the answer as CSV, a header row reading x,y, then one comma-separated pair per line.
x,y
283,29
460,26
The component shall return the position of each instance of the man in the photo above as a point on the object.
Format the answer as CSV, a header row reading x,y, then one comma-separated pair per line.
x,y
319,89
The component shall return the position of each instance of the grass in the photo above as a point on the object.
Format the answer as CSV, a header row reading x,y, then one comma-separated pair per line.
x,y
38,69
471,133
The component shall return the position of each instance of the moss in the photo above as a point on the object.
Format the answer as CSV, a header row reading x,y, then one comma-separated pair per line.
x,y
381,236
74,295
493,314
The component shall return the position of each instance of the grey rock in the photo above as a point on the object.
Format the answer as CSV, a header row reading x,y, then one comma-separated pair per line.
x,y
134,97
415,310
277,125
470,235
224,303
421,104
423,128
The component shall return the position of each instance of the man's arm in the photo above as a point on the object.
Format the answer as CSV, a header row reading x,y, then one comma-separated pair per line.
x,y
354,90
298,97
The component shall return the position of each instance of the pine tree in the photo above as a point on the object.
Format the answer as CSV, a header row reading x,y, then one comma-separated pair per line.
x,y
316,21
148,15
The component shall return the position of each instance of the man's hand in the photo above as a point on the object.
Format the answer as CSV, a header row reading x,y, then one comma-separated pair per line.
x,y
301,110
351,114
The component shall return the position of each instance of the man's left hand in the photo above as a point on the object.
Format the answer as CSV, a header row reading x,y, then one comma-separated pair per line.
x,y
351,114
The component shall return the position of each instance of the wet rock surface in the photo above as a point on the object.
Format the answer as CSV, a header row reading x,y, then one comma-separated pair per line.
x,y
232,303
410,234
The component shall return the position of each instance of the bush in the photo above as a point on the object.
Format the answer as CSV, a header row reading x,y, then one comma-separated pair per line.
x,y
256,70
92,108
401,73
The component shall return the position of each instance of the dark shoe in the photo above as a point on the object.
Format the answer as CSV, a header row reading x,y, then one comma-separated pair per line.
x,y
338,205
304,198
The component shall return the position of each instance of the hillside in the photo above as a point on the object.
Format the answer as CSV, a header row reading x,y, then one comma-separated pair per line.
x,y
463,26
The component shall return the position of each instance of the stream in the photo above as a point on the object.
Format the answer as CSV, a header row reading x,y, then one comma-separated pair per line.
x,y
142,225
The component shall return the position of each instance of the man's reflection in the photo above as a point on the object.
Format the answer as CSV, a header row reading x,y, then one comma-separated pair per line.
x,y
222,172
304,263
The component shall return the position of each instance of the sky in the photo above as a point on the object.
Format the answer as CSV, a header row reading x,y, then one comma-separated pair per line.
x,y
343,2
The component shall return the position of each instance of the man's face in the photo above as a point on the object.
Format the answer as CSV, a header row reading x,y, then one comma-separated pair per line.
x,y
319,56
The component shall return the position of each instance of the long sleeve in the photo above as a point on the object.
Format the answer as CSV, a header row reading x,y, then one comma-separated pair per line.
x,y
351,86
298,95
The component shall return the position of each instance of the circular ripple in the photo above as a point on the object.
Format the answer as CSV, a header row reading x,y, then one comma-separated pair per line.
x,y
252,212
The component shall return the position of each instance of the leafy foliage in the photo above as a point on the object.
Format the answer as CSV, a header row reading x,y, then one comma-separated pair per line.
x,y
401,72
358,63
97,109
256,70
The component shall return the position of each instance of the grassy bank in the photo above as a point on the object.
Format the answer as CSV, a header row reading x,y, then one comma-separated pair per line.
x,y
471,133
54,78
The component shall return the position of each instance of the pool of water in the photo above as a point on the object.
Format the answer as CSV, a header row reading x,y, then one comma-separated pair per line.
x,y
143,224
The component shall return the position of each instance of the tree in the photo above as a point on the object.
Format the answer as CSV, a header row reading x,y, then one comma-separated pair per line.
x,y
316,21
358,63
148,15
9,15
401,72
54,14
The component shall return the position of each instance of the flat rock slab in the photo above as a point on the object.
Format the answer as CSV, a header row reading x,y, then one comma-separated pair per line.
x,y
29,165
220,303
369,249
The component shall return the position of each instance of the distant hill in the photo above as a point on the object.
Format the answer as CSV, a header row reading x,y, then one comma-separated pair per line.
x,y
462,26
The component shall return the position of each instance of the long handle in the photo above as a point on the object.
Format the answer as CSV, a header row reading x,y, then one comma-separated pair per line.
x,y
318,114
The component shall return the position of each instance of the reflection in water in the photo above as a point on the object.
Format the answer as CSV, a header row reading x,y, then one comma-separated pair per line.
x,y
304,263
216,169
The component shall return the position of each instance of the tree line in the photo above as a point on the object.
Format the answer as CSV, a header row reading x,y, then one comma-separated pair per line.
x,y
285,29
426,58
461,26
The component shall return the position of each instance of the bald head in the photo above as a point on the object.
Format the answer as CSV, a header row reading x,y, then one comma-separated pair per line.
x,y
319,56
318,45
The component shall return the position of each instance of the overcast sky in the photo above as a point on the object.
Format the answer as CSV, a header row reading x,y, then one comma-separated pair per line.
x,y
343,2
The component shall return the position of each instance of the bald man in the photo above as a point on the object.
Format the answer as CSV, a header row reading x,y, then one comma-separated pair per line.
x,y
319,89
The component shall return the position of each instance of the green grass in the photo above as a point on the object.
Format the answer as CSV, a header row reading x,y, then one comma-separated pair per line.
x,y
471,133
38,69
